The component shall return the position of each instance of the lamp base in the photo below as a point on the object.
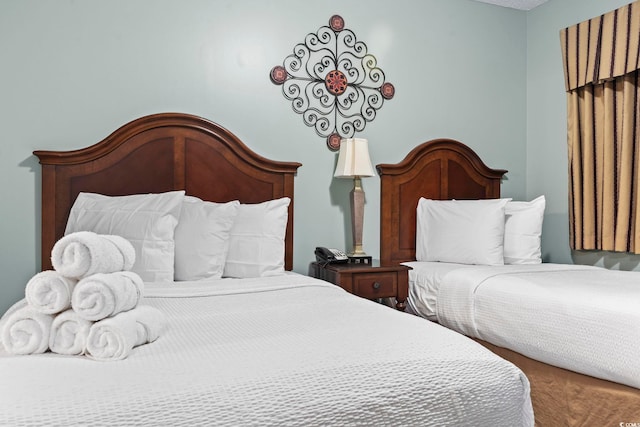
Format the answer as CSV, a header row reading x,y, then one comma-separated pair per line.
x,y
357,254
357,217
357,247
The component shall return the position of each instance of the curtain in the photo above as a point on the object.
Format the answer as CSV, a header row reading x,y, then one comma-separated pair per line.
x,y
601,60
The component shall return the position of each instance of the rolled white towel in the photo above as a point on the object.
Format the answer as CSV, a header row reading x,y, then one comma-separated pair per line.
x,y
18,305
114,338
25,330
69,333
49,292
84,253
102,295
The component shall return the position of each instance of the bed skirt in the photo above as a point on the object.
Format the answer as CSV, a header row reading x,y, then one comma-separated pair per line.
x,y
565,398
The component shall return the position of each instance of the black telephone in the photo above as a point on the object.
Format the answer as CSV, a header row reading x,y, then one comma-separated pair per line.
x,y
327,256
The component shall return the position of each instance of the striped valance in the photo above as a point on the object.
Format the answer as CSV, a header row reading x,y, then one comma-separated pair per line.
x,y
602,48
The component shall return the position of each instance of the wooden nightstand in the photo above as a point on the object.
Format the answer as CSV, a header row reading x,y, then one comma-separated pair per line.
x,y
369,281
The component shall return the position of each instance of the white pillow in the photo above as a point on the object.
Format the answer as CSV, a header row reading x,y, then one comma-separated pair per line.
x,y
202,238
148,221
523,231
256,245
461,231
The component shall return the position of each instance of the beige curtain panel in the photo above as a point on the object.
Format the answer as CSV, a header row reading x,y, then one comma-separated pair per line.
x,y
601,59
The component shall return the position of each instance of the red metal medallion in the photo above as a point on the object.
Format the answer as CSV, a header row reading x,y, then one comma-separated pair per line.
x,y
336,82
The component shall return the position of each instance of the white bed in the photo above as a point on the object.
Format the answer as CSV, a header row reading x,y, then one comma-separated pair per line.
x,y
267,347
580,318
288,350
477,269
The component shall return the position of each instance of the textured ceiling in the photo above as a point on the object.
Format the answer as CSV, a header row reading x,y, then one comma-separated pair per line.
x,y
516,4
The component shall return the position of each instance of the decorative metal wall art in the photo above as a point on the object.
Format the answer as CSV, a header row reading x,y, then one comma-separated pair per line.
x,y
333,82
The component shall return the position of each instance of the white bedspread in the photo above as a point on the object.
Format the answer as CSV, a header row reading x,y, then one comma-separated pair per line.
x,y
585,319
287,350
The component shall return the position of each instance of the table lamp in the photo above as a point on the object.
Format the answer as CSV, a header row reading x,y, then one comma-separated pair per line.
x,y
354,162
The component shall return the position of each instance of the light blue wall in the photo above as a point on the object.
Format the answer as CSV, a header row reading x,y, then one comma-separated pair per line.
x,y
73,71
546,153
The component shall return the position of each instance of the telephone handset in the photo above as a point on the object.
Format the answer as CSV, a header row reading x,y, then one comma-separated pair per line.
x,y
327,256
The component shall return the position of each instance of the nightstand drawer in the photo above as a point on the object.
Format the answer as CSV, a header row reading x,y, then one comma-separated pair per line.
x,y
375,285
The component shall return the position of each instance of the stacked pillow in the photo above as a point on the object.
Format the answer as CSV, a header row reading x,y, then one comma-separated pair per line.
x,y
147,221
178,237
486,232
202,238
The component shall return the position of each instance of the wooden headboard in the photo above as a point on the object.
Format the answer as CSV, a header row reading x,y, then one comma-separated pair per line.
x,y
158,153
439,169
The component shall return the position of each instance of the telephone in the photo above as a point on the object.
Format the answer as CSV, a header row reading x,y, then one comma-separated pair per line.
x,y
327,256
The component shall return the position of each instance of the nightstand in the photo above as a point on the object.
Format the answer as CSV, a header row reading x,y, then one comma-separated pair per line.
x,y
369,281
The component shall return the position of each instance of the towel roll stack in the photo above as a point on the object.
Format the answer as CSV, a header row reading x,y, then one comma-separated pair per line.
x,y
88,304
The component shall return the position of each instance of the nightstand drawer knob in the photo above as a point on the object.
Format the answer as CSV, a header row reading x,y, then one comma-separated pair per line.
x,y
376,285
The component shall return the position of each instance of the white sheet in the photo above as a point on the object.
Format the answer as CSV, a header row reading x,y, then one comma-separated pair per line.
x,y
287,350
582,318
424,282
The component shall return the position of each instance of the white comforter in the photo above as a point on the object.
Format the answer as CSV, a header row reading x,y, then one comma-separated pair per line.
x,y
287,350
582,318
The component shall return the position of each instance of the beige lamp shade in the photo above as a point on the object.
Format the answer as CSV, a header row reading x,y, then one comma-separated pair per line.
x,y
353,159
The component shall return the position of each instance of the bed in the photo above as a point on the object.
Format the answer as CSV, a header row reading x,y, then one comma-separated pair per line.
x,y
572,329
278,348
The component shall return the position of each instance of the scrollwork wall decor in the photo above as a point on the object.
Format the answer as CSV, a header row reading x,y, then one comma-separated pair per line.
x,y
333,82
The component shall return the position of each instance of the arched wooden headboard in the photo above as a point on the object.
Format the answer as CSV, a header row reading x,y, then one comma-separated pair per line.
x,y
439,169
158,153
